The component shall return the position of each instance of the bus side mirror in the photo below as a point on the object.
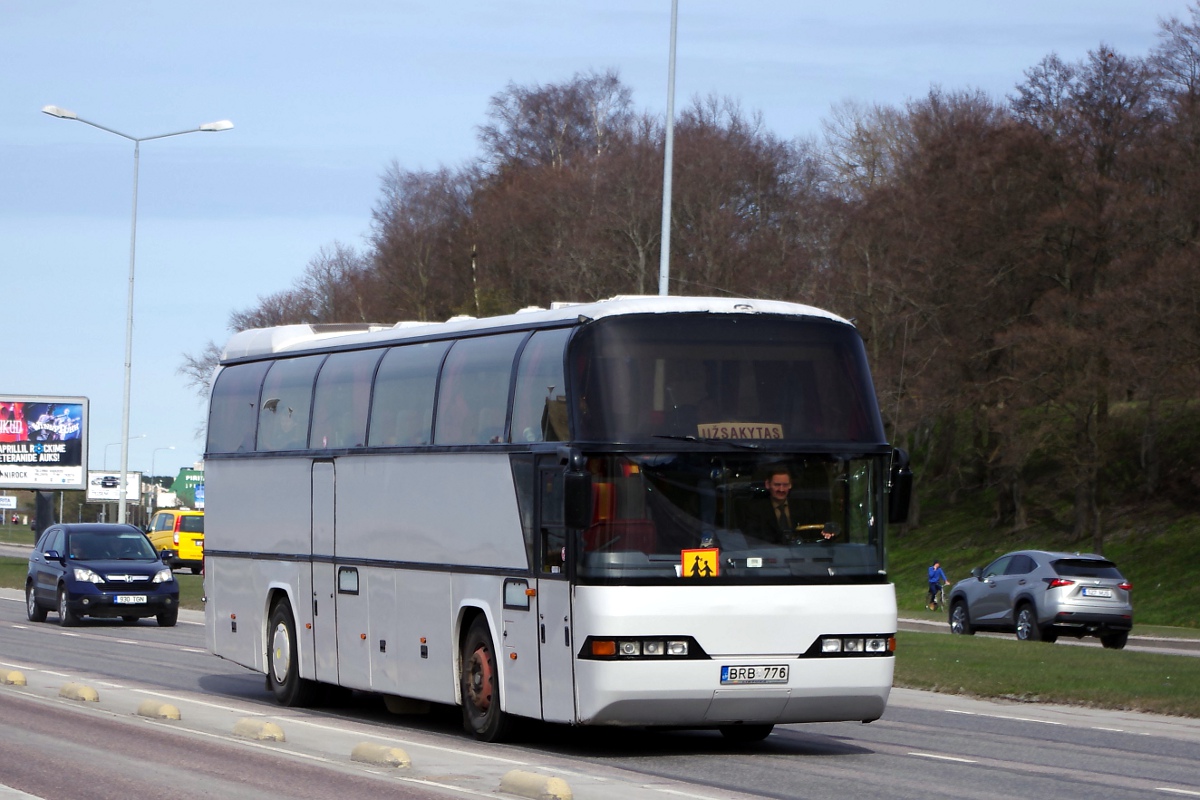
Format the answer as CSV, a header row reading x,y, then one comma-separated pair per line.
x,y
577,500
899,487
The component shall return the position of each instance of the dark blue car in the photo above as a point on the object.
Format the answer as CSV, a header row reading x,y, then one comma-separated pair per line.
x,y
99,570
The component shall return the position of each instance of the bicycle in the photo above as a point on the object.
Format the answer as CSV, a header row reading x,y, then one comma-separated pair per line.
x,y
938,601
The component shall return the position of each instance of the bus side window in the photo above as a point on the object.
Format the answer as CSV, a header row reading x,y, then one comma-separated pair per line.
x,y
474,390
233,412
340,403
539,401
402,405
286,401
553,534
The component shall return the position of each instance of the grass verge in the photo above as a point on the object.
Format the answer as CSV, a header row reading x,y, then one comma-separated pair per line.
x,y
1036,672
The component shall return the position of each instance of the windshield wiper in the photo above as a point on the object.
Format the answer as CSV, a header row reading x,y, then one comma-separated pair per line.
x,y
700,440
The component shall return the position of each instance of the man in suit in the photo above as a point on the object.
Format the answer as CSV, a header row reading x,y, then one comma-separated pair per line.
x,y
784,519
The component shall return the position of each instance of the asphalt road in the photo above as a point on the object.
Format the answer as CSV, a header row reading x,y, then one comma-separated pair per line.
x,y
54,746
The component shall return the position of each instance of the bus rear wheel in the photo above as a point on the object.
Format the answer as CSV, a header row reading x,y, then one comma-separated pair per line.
x,y
283,663
480,681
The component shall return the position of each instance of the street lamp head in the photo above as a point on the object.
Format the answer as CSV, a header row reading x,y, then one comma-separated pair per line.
x,y
61,113
220,125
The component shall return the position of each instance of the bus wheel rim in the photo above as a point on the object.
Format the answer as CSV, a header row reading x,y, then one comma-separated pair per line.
x,y
480,686
281,653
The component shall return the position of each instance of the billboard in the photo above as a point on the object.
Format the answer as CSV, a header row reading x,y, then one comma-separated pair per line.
x,y
105,487
189,488
43,442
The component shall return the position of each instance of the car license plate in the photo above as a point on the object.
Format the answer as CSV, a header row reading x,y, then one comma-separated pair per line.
x,y
1089,591
758,673
130,599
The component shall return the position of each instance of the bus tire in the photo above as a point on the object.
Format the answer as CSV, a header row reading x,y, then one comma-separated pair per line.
x,y
283,661
480,681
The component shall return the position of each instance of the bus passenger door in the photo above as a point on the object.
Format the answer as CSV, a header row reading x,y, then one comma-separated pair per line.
x,y
555,639
324,608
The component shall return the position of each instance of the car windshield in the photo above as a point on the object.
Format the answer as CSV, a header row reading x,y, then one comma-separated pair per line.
x,y
1086,568
110,546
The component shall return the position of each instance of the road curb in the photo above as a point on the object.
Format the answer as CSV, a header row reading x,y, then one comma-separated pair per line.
x,y
77,691
158,710
13,678
534,786
259,730
380,755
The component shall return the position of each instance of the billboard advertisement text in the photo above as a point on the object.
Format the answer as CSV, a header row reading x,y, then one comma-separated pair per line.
x,y
43,442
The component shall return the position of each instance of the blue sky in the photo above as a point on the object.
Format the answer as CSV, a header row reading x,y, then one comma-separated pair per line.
x,y
325,96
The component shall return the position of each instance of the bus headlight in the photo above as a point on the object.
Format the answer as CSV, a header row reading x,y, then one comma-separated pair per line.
x,y
875,645
598,648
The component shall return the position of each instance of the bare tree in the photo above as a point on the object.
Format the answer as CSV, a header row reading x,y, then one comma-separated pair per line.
x,y
420,261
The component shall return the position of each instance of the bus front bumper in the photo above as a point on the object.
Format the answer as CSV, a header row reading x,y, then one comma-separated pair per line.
x,y
690,693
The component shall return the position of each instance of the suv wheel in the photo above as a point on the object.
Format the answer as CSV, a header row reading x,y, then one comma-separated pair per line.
x,y
66,617
32,610
1115,640
960,620
1028,629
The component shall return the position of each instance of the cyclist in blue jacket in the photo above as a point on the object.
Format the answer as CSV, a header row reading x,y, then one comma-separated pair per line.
x,y
937,579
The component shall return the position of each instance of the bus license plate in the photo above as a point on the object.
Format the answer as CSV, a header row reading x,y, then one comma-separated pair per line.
x,y
759,673
131,599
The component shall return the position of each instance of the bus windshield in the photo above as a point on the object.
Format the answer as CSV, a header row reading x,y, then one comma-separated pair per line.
x,y
723,377
734,519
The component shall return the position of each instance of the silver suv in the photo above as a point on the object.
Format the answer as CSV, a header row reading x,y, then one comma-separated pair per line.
x,y
1043,595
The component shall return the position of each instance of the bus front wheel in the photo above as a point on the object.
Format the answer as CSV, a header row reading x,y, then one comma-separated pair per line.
x,y
480,681
283,663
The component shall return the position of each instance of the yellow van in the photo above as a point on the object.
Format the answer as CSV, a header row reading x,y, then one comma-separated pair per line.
x,y
178,535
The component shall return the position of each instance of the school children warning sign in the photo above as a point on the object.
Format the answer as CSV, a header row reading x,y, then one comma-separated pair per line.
x,y
700,563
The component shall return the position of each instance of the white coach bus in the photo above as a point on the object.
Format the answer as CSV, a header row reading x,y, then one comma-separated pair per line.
x,y
559,514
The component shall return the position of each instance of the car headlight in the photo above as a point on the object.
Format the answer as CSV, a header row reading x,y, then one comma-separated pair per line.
x,y
164,576
85,575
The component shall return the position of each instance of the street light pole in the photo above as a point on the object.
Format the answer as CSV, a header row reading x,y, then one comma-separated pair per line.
x,y
664,254
221,125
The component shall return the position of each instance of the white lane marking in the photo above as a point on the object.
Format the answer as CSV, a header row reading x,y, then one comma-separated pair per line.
x,y
1188,792
1110,730
459,789
677,793
1003,716
175,698
410,743
944,758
